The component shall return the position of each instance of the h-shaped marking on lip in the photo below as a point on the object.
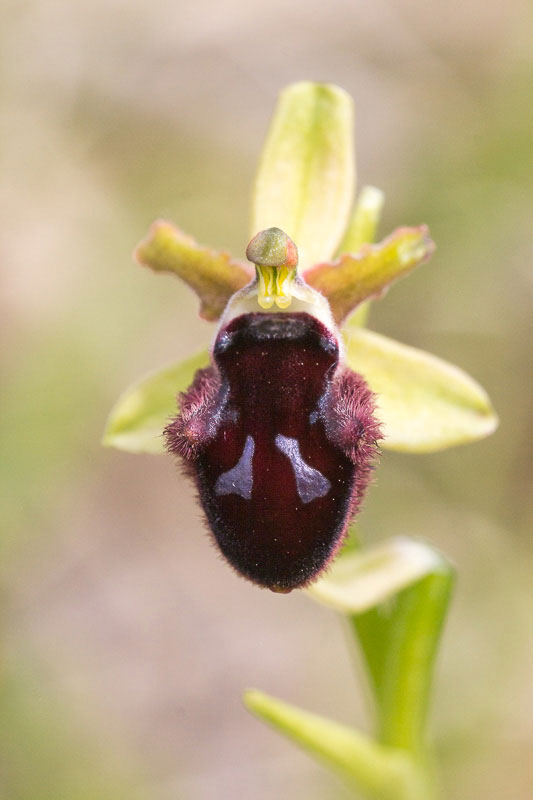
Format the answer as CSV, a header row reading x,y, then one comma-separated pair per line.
x,y
239,480
310,483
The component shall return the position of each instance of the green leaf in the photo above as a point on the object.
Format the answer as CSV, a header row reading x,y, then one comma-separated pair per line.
x,y
425,403
355,277
213,275
137,420
360,580
377,771
306,175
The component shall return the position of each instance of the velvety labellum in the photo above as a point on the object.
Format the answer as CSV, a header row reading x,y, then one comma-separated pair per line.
x,y
279,439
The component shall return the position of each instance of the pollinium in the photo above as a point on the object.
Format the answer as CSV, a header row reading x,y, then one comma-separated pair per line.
x,y
278,435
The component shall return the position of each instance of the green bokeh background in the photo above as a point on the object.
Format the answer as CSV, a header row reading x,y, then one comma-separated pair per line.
x,y
125,641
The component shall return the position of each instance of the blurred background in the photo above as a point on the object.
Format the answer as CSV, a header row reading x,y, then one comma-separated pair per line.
x,y
125,641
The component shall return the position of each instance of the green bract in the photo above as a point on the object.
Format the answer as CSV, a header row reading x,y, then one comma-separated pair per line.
x,y
359,581
378,771
395,599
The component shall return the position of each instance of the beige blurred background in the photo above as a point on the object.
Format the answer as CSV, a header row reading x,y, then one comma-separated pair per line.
x,y
126,642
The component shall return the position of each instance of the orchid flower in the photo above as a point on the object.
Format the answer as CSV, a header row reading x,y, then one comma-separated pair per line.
x,y
281,452
278,423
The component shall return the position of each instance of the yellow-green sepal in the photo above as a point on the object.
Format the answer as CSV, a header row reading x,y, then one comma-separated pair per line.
x,y
137,420
424,403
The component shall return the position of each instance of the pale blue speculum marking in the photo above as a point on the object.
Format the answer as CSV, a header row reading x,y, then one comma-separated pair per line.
x,y
239,480
310,483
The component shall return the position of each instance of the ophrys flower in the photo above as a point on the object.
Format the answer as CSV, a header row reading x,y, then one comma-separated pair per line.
x,y
278,425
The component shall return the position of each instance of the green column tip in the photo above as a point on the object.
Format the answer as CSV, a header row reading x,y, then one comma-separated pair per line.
x,y
272,248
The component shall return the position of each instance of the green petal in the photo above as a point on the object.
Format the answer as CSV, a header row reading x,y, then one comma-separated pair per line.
x,y
213,275
137,420
425,403
306,175
355,277
378,771
364,220
362,230
360,580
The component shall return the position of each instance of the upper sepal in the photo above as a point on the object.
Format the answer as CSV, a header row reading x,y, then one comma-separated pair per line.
x,y
306,176
215,276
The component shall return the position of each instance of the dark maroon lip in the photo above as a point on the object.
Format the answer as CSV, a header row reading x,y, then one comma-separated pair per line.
x,y
263,431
